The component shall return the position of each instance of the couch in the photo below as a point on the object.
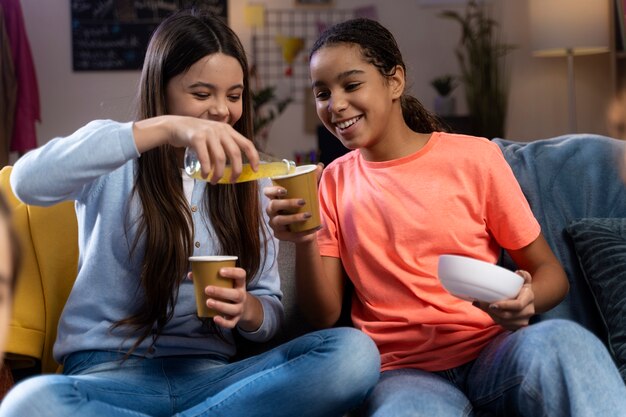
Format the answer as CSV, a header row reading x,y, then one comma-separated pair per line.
x,y
574,188
49,265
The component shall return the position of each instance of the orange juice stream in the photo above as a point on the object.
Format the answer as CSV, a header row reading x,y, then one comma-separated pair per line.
x,y
266,169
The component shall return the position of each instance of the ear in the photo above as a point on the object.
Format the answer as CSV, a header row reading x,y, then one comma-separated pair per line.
x,y
397,82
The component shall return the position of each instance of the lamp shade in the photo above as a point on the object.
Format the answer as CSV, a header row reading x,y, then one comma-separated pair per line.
x,y
580,27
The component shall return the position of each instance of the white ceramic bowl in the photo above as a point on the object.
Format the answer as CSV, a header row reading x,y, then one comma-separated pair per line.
x,y
474,280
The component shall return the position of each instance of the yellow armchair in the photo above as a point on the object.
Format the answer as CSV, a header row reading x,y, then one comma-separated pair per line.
x,y
50,259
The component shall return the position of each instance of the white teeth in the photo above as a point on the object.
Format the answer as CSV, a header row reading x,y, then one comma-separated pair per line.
x,y
347,123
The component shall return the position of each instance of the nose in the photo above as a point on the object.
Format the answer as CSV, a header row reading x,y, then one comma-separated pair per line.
x,y
218,110
337,104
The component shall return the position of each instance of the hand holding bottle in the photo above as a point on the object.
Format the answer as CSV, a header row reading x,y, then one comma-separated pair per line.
x,y
268,167
215,143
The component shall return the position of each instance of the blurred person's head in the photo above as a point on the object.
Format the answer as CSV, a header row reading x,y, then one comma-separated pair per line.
x,y
10,254
616,116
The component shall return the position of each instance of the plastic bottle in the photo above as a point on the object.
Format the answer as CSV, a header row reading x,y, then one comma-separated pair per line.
x,y
268,167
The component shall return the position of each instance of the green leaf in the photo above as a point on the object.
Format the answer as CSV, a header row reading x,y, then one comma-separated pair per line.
x,y
481,57
263,98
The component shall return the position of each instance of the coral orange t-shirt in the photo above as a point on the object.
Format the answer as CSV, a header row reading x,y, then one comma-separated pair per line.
x,y
389,222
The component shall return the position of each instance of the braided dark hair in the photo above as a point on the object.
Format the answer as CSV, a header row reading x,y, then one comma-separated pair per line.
x,y
380,49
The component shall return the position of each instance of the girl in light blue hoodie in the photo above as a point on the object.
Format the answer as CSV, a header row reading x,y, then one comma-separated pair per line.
x,y
129,337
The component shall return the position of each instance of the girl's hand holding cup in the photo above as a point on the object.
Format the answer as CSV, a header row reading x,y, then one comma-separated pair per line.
x,y
220,288
294,208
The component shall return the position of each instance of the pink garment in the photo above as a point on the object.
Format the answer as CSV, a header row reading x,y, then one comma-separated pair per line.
x,y
389,222
27,110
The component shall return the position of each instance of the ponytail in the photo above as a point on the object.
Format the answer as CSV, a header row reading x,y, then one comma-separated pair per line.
x,y
418,118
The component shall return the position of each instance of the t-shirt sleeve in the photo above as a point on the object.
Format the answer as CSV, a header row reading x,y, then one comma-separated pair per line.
x,y
509,216
327,236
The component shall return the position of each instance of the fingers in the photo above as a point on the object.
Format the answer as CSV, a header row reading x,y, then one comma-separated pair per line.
x,y
230,150
508,319
248,148
522,306
515,313
525,297
228,302
278,206
284,212
217,144
223,149
205,160
526,275
274,192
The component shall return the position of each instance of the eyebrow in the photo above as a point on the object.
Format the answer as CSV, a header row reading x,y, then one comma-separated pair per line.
x,y
213,87
341,76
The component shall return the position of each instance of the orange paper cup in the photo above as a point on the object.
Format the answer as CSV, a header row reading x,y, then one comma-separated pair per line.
x,y
302,184
205,271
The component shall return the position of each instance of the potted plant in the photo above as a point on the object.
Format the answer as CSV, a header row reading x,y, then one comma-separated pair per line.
x,y
266,107
445,104
481,56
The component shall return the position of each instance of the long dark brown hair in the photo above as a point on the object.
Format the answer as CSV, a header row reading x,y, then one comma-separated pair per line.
x,y
380,49
166,222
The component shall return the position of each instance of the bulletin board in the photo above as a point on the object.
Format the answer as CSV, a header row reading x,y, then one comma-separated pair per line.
x,y
272,69
113,35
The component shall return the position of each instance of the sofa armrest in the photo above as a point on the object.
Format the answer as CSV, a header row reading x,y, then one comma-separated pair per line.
x,y
26,336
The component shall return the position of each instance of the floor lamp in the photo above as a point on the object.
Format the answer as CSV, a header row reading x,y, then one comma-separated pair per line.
x,y
567,28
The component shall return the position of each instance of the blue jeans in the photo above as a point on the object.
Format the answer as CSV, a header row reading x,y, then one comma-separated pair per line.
x,y
325,373
554,368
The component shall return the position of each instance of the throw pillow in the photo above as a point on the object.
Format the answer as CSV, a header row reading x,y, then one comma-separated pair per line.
x,y
600,245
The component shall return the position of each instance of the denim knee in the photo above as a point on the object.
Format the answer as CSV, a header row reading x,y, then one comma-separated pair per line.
x,y
565,338
354,363
570,372
360,355
565,348
36,396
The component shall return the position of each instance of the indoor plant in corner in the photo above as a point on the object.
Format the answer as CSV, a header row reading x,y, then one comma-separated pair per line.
x,y
481,56
445,104
266,107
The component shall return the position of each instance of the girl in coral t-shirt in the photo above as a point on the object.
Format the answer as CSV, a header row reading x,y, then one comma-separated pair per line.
x,y
407,193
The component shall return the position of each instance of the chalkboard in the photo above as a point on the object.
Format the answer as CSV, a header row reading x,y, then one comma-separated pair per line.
x,y
113,34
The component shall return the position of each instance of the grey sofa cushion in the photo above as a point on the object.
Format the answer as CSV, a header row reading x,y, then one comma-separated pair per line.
x,y
567,178
295,324
601,249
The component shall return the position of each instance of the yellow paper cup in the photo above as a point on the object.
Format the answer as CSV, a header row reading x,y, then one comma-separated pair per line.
x,y
302,184
205,271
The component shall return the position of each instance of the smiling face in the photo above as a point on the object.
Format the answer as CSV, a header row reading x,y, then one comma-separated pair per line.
x,y
353,99
211,89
